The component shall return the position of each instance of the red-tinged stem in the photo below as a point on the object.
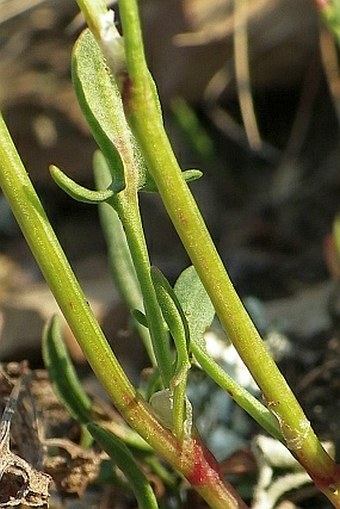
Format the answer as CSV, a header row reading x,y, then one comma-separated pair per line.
x,y
191,458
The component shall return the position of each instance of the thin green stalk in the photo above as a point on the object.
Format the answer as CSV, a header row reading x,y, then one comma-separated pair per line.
x,y
141,108
240,395
192,460
119,255
128,212
179,330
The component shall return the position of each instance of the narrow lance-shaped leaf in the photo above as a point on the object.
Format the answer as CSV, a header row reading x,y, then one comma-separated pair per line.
x,y
102,105
69,389
173,313
123,458
98,61
71,393
178,327
62,373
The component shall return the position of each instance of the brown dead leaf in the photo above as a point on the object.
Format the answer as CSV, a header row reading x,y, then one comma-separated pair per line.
x,y
72,468
20,482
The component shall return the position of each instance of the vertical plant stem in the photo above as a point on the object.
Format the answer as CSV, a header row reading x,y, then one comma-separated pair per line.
x,y
127,206
120,260
129,214
147,126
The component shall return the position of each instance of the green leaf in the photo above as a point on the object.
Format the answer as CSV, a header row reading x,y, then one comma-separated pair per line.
x,y
178,327
62,373
101,103
162,404
140,318
149,185
77,191
195,303
125,461
172,312
192,175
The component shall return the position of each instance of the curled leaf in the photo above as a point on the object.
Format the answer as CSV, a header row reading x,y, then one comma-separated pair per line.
x,y
76,191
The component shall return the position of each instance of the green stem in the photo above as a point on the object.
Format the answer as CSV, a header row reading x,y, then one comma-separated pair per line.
x,y
119,255
148,128
192,460
128,211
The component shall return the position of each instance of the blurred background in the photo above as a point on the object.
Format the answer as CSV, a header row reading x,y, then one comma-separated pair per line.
x,y
250,93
